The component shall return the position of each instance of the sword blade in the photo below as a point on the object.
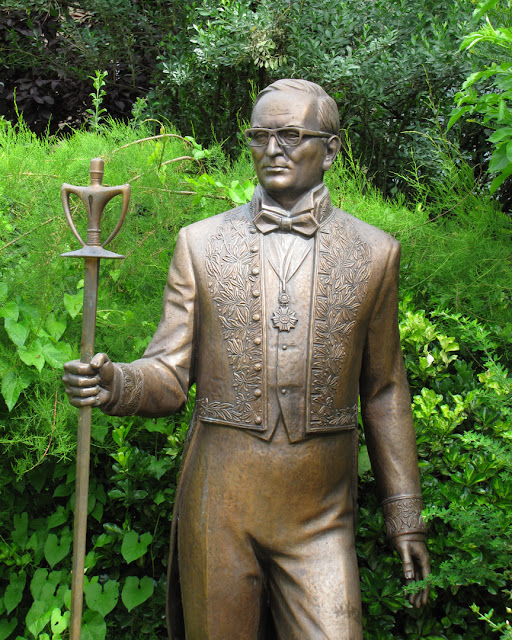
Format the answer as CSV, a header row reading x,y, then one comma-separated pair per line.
x,y
83,451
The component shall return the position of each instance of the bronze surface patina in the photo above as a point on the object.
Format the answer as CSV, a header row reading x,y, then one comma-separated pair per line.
x,y
95,198
283,312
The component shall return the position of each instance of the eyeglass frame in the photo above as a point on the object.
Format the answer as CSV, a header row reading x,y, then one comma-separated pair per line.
x,y
274,133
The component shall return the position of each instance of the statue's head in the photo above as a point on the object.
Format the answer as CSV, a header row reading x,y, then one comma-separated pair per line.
x,y
292,160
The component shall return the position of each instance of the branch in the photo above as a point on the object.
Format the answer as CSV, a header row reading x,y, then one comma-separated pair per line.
x,y
162,135
27,233
164,163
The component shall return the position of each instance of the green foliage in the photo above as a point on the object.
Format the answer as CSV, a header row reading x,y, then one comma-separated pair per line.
x,y
97,96
463,416
457,365
444,260
493,101
392,66
34,342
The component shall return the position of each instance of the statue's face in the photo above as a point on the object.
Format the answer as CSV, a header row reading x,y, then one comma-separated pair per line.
x,y
286,173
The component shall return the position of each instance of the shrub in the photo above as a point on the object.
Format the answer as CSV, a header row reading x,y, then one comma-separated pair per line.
x,y
457,366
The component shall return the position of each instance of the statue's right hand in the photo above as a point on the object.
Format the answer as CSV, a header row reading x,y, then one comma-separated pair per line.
x,y
89,384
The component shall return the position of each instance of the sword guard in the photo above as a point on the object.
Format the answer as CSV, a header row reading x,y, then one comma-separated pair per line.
x,y
95,198
91,252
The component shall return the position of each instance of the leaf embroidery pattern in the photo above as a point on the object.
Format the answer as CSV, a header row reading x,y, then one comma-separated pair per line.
x,y
343,273
232,268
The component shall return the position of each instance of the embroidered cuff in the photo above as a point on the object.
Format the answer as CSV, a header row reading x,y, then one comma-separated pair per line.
x,y
403,515
126,392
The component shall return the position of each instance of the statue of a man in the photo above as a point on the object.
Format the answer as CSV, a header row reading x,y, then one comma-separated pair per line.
x,y
284,314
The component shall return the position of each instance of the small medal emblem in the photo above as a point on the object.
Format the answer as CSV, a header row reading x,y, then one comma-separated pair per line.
x,y
284,319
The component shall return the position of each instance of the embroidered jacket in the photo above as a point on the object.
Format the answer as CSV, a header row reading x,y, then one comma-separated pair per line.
x,y
215,326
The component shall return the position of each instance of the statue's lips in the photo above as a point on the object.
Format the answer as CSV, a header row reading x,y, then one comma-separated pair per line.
x,y
275,169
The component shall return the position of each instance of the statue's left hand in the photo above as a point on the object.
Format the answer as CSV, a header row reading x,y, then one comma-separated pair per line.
x,y
416,565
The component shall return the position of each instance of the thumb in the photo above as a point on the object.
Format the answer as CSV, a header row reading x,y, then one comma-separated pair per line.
x,y
99,360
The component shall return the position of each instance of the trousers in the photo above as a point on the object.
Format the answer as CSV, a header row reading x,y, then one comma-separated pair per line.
x,y
266,538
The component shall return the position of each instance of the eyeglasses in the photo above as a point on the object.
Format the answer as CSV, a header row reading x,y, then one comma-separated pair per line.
x,y
285,136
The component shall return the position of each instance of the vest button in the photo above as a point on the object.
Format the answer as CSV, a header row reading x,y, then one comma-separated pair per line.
x,y
257,367
257,392
255,271
283,391
257,340
256,293
257,420
256,317
284,347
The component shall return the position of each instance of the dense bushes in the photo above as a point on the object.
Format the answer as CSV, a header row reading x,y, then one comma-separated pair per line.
x,y
457,354
393,68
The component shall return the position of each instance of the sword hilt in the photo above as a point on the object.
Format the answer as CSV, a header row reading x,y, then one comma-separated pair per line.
x,y
95,198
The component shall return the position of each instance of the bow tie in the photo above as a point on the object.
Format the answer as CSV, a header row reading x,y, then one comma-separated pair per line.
x,y
304,223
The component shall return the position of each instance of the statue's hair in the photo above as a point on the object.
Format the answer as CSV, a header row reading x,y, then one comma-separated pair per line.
x,y
328,116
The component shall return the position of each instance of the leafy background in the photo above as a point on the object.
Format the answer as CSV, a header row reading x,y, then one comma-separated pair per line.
x,y
455,279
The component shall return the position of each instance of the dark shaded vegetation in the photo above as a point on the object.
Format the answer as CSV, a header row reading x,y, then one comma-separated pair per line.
x,y
393,69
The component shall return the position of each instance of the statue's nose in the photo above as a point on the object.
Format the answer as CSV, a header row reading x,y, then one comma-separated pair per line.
x,y
273,146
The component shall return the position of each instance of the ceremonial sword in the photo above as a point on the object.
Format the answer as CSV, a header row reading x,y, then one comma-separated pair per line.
x,y
95,198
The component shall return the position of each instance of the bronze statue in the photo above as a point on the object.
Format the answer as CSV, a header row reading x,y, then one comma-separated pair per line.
x,y
284,314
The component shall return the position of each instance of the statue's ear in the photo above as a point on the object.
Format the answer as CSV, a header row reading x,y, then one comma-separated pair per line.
x,y
332,148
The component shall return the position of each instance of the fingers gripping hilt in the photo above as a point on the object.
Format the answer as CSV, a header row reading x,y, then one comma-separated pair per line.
x,y
95,198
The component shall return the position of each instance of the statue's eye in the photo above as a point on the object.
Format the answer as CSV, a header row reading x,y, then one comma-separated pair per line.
x,y
258,138
289,136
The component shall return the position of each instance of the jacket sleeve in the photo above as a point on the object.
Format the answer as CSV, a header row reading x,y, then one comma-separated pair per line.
x,y
386,410
157,384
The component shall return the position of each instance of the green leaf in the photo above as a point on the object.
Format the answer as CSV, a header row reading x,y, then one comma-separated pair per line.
x,y
57,354
363,461
19,535
43,586
10,310
17,331
54,326
7,627
502,110
509,151
59,517
499,159
32,355
4,290
94,626
38,617
14,590
102,600
236,193
59,621
500,179
499,134
13,383
161,425
133,547
135,592
157,468
31,314
55,550
484,8
73,303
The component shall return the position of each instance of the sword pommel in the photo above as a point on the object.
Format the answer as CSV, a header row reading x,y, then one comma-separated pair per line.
x,y
96,171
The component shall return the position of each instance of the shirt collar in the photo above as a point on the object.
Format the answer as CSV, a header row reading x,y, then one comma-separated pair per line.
x,y
317,201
